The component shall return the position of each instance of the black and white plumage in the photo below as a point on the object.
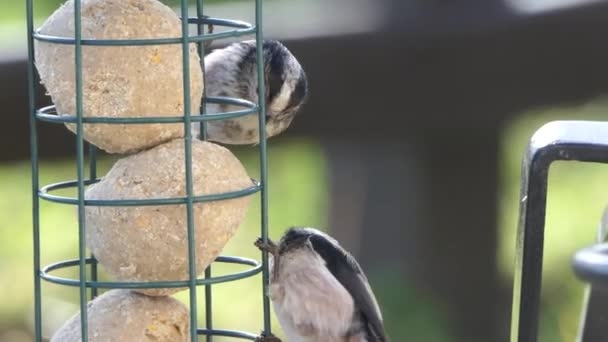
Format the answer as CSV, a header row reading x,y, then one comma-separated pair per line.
x,y
319,292
232,72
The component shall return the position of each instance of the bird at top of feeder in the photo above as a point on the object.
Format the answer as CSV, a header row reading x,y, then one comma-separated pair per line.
x,y
232,72
319,291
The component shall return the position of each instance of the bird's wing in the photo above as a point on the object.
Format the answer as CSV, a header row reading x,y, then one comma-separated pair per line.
x,y
347,271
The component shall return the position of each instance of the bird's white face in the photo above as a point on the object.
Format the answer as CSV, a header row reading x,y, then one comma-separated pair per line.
x,y
231,72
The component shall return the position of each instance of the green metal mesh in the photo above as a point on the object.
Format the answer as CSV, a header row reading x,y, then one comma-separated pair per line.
x,y
88,263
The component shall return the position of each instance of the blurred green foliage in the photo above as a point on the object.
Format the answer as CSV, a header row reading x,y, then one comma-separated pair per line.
x,y
298,196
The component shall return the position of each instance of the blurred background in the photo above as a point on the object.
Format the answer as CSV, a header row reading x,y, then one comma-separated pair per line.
x,y
408,152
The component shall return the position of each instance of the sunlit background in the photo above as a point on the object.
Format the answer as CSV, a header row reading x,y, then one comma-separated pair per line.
x,y
368,159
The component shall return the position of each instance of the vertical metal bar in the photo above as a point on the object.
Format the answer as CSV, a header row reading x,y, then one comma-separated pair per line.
x,y
188,166
208,306
94,276
583,318
80,171
92,162
93,176
529,249
259,37
35,172
592,326
200,29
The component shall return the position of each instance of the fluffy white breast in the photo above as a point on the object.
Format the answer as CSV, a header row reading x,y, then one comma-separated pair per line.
x,y
311,305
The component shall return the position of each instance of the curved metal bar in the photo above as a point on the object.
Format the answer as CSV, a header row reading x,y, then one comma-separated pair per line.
x,y
45,194
227,333
255,269
585,141
220,22
241,28
49,114
591,265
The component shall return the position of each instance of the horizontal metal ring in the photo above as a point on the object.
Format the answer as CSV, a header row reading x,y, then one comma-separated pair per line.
x,y
44,193
591,265
255,269
227,333
241,28
49,114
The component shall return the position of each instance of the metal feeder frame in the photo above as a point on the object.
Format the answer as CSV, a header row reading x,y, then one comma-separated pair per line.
x,y
48,114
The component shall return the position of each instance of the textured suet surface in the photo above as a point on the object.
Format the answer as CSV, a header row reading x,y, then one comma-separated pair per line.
x,y
150,243
120,81
123,315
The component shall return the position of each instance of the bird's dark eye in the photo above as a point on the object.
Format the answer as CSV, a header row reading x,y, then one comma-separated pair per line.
x,y
275,76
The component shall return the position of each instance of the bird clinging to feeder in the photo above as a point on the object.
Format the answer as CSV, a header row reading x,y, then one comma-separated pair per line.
x,y
319,291
232,72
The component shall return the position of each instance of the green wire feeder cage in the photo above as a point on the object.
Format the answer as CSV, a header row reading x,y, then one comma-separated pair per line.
x,y
88,264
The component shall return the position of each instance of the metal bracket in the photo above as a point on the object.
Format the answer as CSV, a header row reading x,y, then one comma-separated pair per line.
x,y
584,141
